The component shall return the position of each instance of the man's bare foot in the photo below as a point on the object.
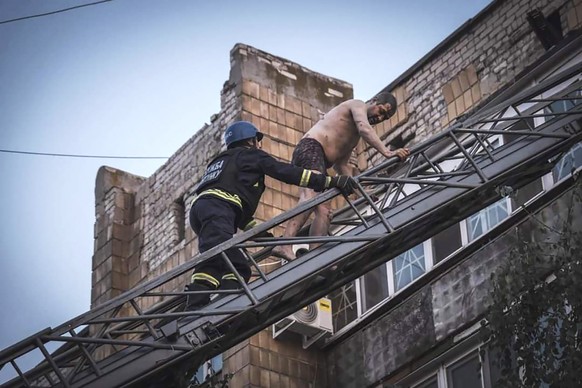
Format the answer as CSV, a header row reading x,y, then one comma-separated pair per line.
x,y
284,252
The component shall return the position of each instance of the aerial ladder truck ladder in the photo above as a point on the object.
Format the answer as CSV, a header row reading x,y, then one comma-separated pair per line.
x,y
399,206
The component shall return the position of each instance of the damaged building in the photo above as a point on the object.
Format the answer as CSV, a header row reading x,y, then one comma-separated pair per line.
x,y
396,294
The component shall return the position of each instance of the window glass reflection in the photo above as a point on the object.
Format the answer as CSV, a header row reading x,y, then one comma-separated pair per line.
x,y
408,266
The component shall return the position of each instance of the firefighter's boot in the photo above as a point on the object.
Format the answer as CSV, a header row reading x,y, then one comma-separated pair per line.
x,y
196,301
229,282
227,285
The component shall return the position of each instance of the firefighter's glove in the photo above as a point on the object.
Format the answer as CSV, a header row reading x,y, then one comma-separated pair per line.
x,y
345,183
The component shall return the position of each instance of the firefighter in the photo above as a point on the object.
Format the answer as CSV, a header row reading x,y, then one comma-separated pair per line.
x,y
226,199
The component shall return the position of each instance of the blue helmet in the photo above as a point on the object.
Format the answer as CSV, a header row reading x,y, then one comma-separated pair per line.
x,y
241,130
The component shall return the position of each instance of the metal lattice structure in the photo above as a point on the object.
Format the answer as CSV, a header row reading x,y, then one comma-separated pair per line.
x,y
446,179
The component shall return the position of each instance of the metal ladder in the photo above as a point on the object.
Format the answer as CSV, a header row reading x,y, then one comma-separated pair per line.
x,y
411,202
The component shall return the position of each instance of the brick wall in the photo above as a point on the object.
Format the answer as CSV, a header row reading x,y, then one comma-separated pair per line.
x,y
115,231
472,64
263,361
284,100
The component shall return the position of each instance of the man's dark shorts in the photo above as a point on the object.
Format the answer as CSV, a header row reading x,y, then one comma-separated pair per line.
x,y
309,154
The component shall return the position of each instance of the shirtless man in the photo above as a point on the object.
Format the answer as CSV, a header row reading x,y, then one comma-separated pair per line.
x,y
330,142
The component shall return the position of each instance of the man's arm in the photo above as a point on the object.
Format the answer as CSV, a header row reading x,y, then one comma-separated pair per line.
x,y
360,116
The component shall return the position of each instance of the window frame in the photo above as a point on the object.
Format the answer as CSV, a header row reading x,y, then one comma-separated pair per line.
x,y
439,367
206,367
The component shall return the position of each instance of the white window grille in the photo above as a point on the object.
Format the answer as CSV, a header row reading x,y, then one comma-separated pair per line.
x,y
571,160
408,266
487,218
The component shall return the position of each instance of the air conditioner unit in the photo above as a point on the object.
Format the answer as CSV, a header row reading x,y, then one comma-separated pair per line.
x,y
313,322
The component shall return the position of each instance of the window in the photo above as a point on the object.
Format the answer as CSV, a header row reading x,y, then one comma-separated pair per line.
x,y
374,285
470,370
465,373
564,105
547,29
487,218
572,159
446,242
208,369
408,266
344,305
431,383
386,279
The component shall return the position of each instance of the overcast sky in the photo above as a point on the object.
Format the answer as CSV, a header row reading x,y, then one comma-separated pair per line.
x,y
138,78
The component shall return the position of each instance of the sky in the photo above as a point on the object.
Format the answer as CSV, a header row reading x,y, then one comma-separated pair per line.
x,y
138,78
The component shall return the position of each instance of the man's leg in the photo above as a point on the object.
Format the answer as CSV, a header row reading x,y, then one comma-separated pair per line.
x,y
321,222
308,154
294,225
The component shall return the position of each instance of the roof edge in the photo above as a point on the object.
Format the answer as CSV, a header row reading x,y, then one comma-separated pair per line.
x,y
443,45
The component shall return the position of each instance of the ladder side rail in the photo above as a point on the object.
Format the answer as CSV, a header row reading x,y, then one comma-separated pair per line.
x,y
493,169
491,189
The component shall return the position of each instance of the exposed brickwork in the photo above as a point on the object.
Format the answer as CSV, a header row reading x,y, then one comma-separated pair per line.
x,y
461,94
265,362
284,103
114,232
284,100
495,50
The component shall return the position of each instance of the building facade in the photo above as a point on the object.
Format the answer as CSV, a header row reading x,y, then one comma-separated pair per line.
x,y
428,340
